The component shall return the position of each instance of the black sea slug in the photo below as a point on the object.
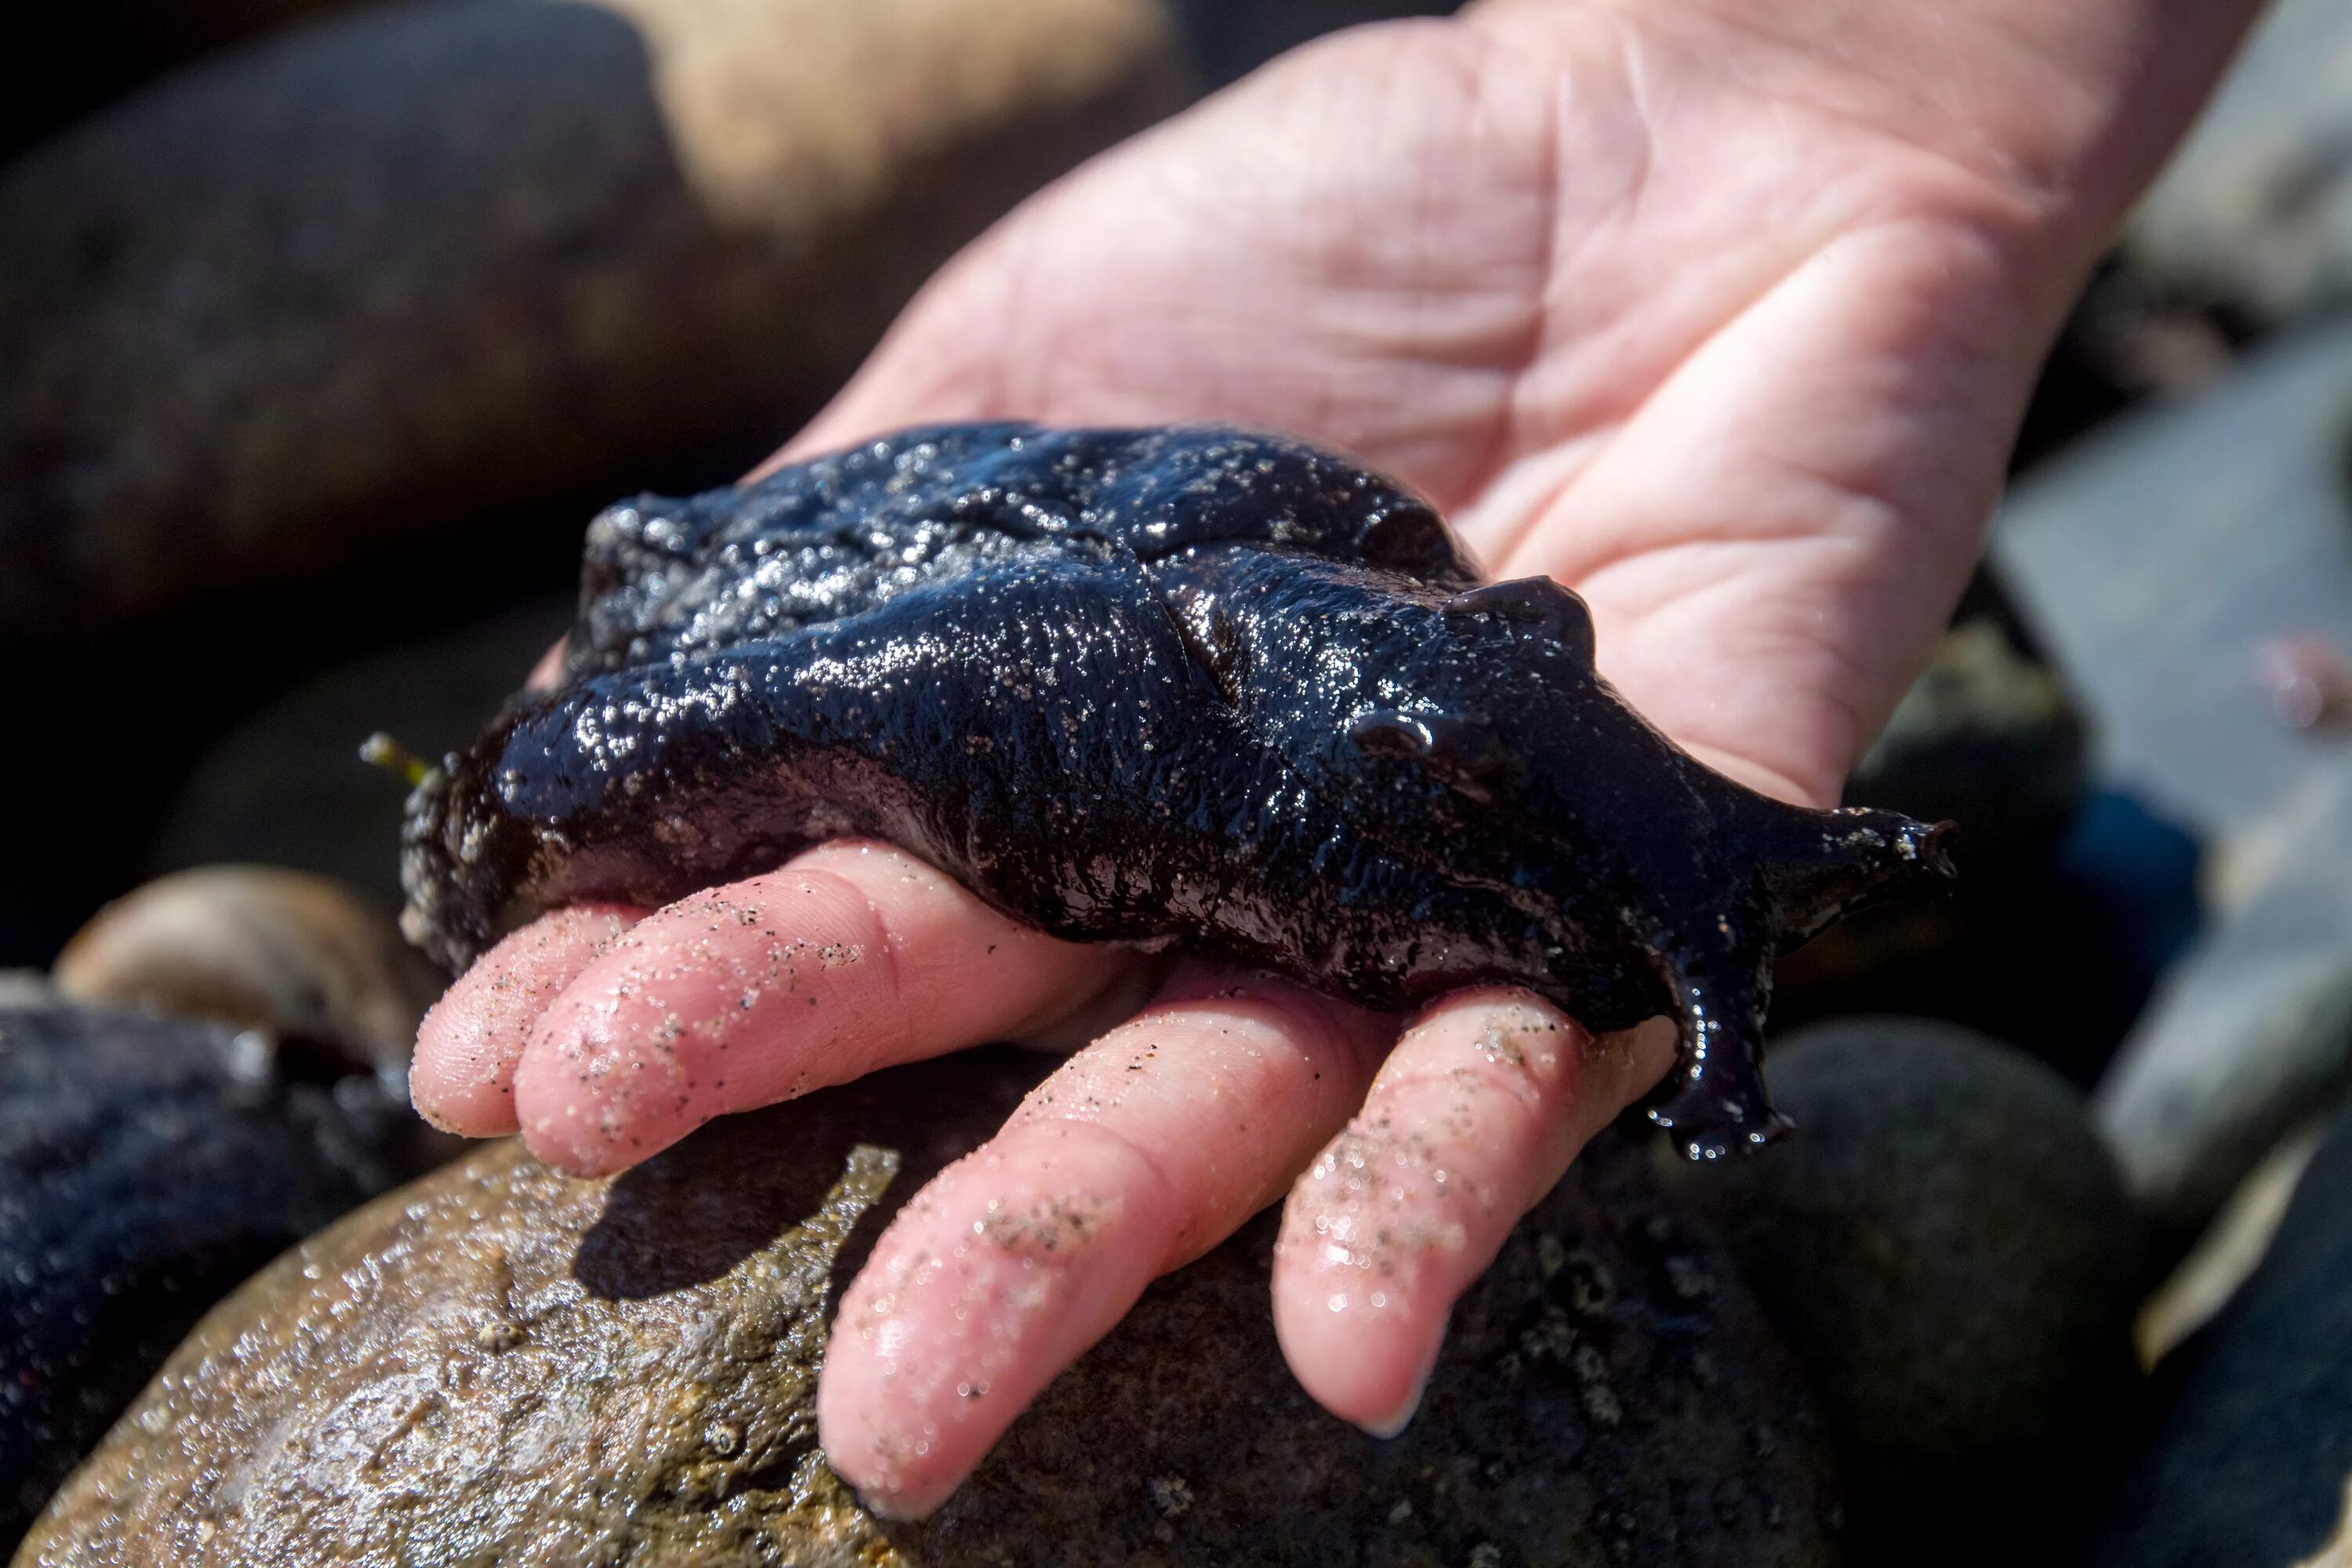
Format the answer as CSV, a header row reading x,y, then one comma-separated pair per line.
x,y
1133,685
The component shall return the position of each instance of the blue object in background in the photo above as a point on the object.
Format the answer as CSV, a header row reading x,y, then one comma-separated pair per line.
x,y
2139,873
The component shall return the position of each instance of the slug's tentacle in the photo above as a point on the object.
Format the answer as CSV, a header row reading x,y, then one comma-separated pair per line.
x,y
1537,602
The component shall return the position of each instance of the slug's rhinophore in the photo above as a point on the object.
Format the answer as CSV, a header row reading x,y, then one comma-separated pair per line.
x,y
1133,685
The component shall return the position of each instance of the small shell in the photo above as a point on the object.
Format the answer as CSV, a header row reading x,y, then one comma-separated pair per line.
x,y
302,958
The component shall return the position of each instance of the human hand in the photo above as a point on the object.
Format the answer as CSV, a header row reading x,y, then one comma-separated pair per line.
x,y
1725,320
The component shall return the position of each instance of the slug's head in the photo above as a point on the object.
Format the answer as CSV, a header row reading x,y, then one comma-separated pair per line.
x,y
461,859
1489,712
1460,751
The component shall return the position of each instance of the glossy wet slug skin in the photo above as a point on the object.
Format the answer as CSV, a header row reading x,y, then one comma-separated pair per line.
x,y
1188,684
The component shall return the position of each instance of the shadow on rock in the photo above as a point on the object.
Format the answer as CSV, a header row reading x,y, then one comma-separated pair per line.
x,y
693,1213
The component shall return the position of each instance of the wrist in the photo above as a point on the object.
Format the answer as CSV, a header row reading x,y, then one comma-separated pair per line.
x,y
2048,117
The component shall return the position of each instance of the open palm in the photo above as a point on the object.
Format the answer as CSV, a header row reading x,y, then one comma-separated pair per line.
x,y
1726,324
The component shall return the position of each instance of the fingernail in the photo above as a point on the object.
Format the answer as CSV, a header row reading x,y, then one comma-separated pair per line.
x,y
1394,1424
906,1507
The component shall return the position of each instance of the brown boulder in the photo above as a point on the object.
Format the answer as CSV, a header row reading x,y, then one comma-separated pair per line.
x,y
501,1365
394,273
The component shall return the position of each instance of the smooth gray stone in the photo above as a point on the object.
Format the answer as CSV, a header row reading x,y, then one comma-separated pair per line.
x,y
2154,560
2155,563
2249,1035
2255,210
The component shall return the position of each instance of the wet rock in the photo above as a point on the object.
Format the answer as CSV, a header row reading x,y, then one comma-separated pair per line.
x,y
2252,1462
1947,1245
286,787
2135,561
2255,210
259,947
622,1370
146,1167
408,269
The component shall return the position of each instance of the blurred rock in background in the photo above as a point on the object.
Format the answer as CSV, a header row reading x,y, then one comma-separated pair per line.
x,y
389,275
2165,563
2254,213
26,988
1947,1245
2251,1463
146,1167
309,963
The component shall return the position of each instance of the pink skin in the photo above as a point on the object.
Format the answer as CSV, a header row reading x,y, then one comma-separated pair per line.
x,y
849,958
463,1075
1143,1150
1722,314
1477,1112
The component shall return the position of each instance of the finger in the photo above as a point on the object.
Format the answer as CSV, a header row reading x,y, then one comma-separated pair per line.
x,y
849,958
1472,1118
548,673
462,1077
1144,1151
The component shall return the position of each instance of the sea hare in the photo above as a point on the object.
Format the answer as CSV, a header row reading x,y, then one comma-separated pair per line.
x,y
1187,684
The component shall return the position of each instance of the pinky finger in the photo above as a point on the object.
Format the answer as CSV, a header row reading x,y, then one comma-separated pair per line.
x,y
462,1077
1472,1119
